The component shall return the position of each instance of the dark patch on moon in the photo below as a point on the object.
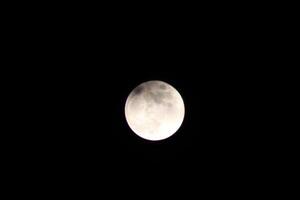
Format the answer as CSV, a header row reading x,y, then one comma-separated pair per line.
x,y
138,90
169,105
153,90
158,97
163,86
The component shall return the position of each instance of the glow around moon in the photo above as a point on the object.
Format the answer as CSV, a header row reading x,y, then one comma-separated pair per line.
x,y
154,110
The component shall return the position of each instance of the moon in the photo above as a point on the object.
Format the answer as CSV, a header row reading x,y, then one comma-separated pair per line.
x,y
154,110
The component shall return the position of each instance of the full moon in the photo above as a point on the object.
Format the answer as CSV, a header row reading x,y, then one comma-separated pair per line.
x,y
154,110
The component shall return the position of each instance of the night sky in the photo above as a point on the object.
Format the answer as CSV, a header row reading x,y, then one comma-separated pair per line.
x,y
220,134
217,62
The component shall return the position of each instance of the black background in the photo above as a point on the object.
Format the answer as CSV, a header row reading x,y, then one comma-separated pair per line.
x,y
84,63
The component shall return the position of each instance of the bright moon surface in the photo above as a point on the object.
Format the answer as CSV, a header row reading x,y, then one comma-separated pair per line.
x,y
154,110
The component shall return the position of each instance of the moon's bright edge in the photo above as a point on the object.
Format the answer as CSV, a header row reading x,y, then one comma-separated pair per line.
x,y
154,110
